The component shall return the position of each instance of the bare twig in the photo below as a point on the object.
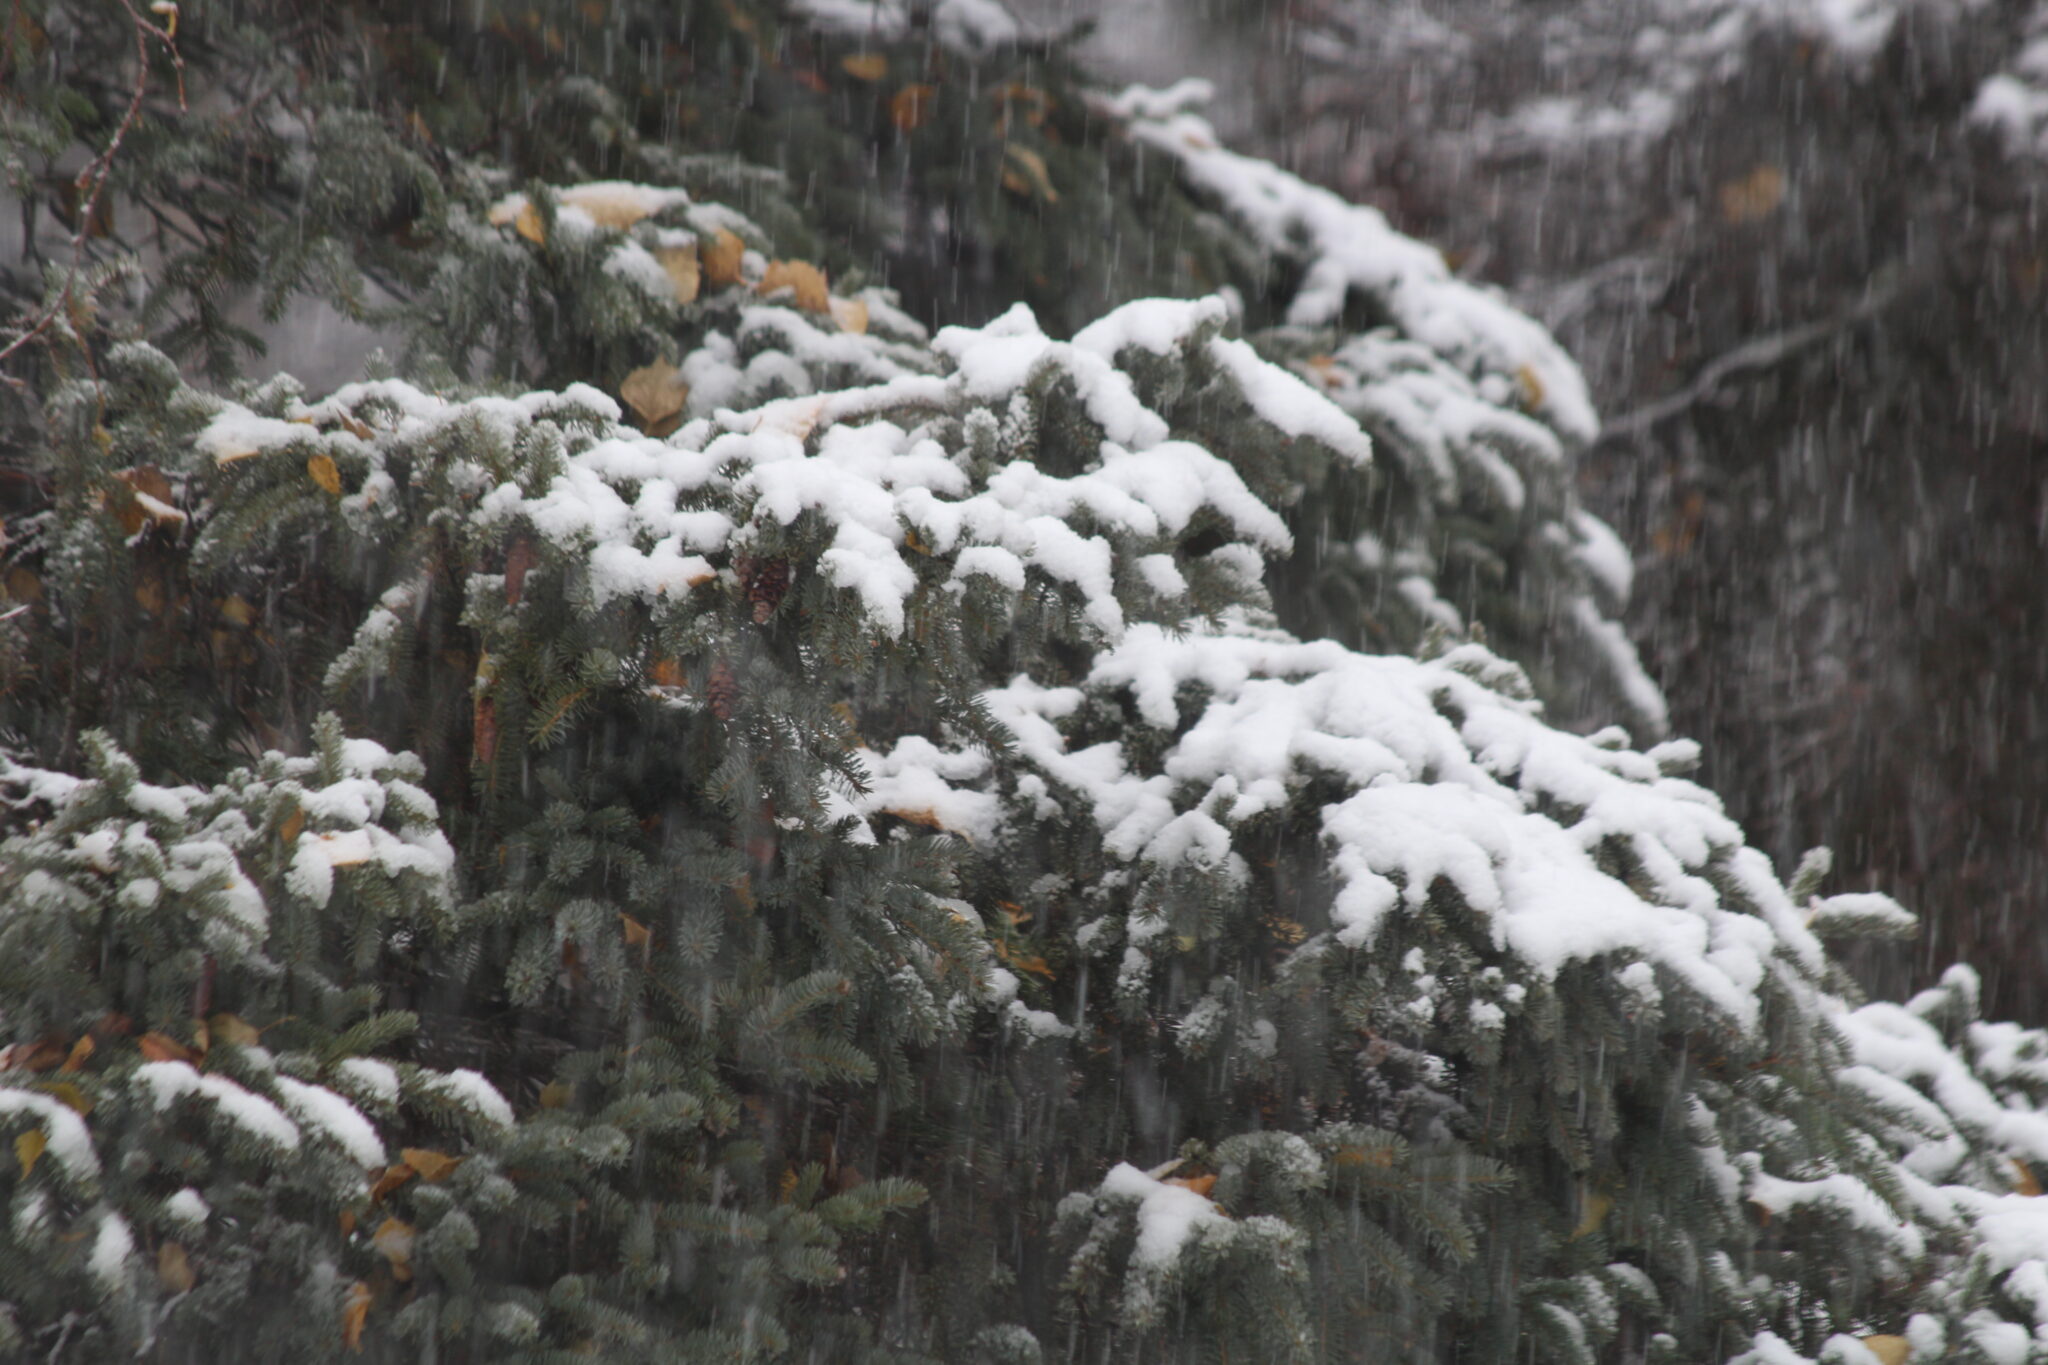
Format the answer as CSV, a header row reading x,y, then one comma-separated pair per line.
x,y
91,182
1757,353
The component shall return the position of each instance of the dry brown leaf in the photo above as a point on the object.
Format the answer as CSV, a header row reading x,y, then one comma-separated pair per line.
x,y
865,66
681,264
433,1166
1888,1348
148,499
393,1240
911,107
293,824
347,1220
1029,174
354,1313
808,282
656,392
238,610
2024,1180
1200,1184
529,224
230,1028
665,673
81,1052
37,1056
721,258
161,1047
555,1094
637,934
28,1149
1753,196
1592,1214
850,314
323,471
1531,384
393,1177
173,1268
23,585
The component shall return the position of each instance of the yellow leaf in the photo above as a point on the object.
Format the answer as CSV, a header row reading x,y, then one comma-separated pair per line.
x,y
1034,174
1592,1214
850,314
722,256
433,1166
529,224
393,1240
173,1268
231,1029
1531,385
865,66
681,264
323,472
69,1095
28,1149
354,1313
805,279
1892,1350
656,392
238,610
293,824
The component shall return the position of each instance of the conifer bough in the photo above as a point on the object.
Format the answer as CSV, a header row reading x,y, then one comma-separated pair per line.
x,y
897,852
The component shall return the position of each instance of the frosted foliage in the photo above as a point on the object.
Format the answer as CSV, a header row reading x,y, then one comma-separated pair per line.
x,y
1345,247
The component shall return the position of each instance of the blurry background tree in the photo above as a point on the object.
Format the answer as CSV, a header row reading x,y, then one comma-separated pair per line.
x,y
1801,250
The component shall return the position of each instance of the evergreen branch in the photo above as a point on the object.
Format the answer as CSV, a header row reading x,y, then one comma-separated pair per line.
x,y
91,181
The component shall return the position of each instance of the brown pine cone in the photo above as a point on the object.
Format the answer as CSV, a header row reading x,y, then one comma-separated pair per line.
x,y
766,582
723,689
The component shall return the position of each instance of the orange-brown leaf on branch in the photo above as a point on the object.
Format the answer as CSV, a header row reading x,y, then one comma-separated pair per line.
x,y
355,1312
721,258
174,1268
432,1166
393,1240
911,107
393,1177
28,1149
161,1047
804,280
323,471
41,1055
1200,1184
865,66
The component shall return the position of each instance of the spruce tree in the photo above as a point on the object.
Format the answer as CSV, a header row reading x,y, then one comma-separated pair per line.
x,y
695,816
